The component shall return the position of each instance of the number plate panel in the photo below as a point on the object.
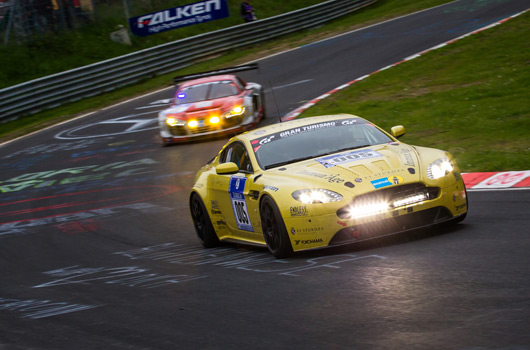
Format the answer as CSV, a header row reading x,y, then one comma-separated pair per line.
x,y
239,204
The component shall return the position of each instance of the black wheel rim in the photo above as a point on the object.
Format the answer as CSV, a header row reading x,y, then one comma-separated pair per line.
x,y
271,233
198,216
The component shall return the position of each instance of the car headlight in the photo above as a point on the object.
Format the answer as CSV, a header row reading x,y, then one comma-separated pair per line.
x,y
172,121
237,110
318,195
439,168
214,120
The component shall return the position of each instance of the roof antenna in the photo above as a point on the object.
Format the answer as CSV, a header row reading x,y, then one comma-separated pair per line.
x,y
275,102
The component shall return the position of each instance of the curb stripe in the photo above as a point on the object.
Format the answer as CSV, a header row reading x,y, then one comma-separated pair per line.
x,y
295,113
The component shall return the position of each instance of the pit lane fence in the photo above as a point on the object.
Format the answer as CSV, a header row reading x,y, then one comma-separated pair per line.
x,y
72,85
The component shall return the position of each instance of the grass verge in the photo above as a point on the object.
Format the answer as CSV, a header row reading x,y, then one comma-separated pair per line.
x,y
470,98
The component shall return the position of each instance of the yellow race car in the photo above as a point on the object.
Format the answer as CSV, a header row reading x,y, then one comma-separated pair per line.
x,y
322,181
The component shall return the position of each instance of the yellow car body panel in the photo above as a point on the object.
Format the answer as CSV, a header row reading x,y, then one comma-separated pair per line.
x,y
390,170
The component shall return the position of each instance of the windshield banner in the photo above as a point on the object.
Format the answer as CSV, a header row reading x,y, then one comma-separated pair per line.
x,y
177,17
257,143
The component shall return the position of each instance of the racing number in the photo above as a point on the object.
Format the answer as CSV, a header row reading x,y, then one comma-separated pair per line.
x,y
239,205
241,212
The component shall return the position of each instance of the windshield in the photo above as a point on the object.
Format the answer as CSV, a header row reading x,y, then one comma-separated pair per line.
x,y
206,91
318,140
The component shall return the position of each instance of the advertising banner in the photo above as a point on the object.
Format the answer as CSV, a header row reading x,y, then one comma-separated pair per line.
x,y
177,17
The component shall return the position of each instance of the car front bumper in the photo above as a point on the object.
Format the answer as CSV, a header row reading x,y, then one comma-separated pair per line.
x,y
317,231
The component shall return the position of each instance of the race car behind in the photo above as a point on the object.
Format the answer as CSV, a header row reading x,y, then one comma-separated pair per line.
x,y
212,103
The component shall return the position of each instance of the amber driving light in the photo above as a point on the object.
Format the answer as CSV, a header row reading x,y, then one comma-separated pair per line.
x,y
171,121
193,123
214,120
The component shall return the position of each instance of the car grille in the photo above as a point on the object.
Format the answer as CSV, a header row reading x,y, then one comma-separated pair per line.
x,y
178,130
202,129
394,225
390,195
233,121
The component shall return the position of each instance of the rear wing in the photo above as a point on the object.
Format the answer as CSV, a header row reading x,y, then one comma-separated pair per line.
x,y
228,70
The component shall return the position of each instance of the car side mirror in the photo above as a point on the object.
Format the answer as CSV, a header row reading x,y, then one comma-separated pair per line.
x,y
227,168
397,131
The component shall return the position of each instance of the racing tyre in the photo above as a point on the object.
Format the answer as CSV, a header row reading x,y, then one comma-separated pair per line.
x,y
202,223
274,230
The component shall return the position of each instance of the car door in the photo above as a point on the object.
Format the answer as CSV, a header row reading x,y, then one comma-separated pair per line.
x,y
232,193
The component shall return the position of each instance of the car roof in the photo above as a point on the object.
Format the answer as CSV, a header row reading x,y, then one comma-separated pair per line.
x,y
208,80
278,127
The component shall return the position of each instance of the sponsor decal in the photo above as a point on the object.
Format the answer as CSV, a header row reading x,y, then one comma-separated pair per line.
x,y
309,230
387,181
331,178
272,188
239,204
409,160
337,159
312,173
385,173
299,211
306,128
309,241
302,129
221,223
177,17
460,207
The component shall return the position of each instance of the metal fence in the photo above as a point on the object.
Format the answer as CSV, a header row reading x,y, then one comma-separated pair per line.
x,y
55,90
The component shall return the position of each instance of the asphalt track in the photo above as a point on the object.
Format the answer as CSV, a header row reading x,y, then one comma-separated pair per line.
x,y
97,249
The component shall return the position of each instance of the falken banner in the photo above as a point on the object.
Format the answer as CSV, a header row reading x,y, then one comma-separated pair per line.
x,y
177,17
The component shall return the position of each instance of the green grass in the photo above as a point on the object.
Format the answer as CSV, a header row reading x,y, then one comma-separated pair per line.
x,y
471,98
48,54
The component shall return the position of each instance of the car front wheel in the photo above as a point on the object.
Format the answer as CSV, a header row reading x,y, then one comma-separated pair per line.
x,y
274,230
202,222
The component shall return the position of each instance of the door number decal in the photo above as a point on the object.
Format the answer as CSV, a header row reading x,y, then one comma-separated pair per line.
x,y
239,205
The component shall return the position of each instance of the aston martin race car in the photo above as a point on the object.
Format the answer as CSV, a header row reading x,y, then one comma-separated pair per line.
x,y
322,181
210,103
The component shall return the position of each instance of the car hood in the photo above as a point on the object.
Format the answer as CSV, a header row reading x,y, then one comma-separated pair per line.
x,y
359,170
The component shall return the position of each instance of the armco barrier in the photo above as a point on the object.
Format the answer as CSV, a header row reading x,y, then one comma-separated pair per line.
x,y
54,90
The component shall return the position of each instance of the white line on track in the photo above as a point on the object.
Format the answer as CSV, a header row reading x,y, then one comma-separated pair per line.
x,y
291,84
